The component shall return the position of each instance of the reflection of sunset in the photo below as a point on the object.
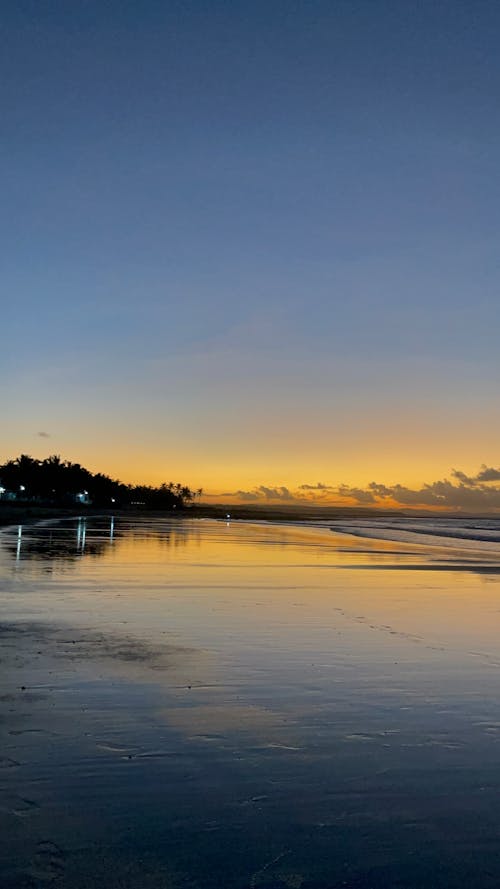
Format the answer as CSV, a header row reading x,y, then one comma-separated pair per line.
x,y
212,582
307,668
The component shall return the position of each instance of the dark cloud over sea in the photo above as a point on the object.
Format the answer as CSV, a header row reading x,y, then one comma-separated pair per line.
x,y
475,493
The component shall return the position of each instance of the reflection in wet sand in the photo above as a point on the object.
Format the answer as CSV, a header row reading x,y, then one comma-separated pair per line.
x,y
191,704
69,540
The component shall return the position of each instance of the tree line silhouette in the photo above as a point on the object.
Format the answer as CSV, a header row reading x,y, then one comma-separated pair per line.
x,y
56,481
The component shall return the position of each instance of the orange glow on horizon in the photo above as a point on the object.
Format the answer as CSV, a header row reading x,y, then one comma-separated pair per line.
x,y
223,470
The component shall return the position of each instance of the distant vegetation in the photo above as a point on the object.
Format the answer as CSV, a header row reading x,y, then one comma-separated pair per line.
x,y
59,482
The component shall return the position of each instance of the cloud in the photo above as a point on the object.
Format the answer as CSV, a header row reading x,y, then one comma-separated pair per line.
x,y
462,477
43,435
465,492
485,474
246,496
279,493
462,492
262,494
488,474
359,494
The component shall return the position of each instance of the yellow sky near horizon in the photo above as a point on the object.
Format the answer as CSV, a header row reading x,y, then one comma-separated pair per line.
x,y
411,446
226,473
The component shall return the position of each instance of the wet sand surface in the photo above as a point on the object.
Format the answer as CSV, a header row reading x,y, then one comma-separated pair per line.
x,y
195,704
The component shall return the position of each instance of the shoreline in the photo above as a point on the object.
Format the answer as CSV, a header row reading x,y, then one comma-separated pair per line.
x,y
12,513
25,515
388,528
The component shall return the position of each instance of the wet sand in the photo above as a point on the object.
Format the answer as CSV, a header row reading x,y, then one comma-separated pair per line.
x,y
195,704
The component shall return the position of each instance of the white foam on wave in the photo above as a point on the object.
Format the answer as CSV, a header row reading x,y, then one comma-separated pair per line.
x,y
458,533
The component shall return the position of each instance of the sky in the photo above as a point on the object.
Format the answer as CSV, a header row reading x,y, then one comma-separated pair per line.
x,y
254,246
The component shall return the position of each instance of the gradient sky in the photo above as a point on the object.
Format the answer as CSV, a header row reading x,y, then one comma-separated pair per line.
x,y
252,244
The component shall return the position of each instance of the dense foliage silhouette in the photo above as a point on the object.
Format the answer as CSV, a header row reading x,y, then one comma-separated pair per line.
x,y
58,481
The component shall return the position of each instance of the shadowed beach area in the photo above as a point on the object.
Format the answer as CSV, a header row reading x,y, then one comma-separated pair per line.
x,y
200,703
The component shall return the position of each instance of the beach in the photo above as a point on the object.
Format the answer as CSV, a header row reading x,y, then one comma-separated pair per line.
x,y
201,703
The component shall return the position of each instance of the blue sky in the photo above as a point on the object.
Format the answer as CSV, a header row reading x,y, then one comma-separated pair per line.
x,y
226,225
